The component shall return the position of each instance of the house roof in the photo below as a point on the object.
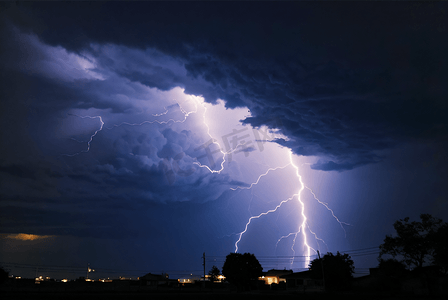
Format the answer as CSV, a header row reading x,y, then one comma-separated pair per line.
x,y
150,276
274,272
297,275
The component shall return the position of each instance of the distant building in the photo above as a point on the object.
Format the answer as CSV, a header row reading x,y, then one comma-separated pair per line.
x,y
426,280
273,276
302,280
157,280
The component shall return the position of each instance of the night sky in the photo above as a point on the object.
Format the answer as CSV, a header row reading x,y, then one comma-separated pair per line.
x,y
134,134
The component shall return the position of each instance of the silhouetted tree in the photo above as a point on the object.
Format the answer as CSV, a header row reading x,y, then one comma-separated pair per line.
x,y
392,271
338,270
416,241
240,269
440,242
3,275
392,267
214,272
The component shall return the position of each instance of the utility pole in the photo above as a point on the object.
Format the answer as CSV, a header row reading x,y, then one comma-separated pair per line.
x,y
322,265
203,263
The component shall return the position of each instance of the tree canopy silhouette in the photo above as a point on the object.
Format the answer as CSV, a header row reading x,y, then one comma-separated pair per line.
x,y
338,270
440,256
392,267
214,273
3,275
240,269
418,242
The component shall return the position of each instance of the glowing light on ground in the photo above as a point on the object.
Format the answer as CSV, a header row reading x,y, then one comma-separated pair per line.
x,y
26,236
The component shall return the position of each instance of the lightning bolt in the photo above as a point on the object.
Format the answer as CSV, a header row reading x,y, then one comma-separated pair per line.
x,y
161,114
264,213
304,223
165,112
91,137
317,238
214,141
302,212
259,216
329,209
302,226
285,237
185,113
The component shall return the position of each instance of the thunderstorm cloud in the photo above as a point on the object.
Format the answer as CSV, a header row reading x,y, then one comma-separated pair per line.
x,y
344,94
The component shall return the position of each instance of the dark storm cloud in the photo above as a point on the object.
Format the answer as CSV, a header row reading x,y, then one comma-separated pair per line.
x,y
127,167
48,177
342,81
124,173
346,79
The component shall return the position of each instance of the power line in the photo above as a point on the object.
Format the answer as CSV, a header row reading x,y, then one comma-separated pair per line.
x,y
266,261
353,252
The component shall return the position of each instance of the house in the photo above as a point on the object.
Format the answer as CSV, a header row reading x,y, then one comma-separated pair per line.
x,y
421,281
273,276
157,280
219,278
427,280
190,279
302,280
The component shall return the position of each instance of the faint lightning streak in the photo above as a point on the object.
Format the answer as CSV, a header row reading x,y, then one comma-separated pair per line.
x,y
91,137
223,157
332,213
219,147
284,237
250,202
294,240
258,216
161,114
317,238
293,243
186,114
256,182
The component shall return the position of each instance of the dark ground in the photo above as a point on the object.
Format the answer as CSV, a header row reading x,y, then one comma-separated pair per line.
x,y
204,295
